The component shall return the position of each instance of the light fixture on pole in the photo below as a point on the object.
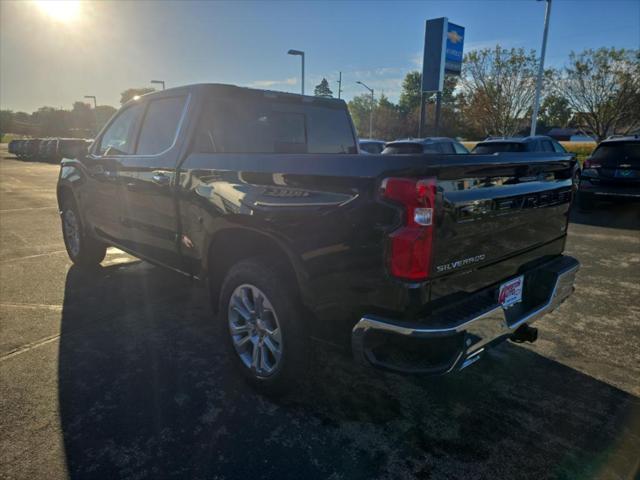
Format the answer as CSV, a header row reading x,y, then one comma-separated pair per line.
x,y
159,82
536,102
299,53
371,110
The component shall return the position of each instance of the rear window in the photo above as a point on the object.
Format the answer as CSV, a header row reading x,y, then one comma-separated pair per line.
x,y
489,148
239,125
614,153
402,148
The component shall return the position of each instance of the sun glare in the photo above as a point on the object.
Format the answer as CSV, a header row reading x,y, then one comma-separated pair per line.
x,y
60,10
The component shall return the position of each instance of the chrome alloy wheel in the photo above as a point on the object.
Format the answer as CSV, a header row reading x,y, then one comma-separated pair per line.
x,y
254,330
71,231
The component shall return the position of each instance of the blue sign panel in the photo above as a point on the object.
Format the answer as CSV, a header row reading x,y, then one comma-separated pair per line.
x,y
455,42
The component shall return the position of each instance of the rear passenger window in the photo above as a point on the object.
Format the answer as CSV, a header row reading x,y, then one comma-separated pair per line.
x,y
546,146
558,148
446,147
160,125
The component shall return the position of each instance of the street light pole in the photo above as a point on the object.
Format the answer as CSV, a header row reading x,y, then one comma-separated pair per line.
x,y
536,103
370,111
159,82
299,53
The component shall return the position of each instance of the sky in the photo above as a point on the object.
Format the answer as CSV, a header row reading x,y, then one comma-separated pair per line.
x,y
106,47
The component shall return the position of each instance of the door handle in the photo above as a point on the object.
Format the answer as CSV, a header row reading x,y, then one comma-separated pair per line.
x,y
161,178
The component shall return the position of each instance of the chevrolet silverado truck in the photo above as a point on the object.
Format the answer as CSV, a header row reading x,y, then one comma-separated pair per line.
x,y
415,263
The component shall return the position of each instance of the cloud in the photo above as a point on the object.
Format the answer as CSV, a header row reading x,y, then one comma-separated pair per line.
x,y
273,83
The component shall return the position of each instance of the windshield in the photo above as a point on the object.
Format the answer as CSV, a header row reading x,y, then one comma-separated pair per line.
x,y
489,148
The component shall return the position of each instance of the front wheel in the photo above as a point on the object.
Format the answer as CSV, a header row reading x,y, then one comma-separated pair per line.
x,y
263,321
83,250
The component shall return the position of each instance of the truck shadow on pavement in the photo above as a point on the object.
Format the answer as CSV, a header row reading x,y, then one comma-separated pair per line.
x,y
146,391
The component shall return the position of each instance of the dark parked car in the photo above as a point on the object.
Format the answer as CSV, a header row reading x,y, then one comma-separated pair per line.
x,y
13,146
52,153
43,149
538,143
73,147
19,149
371,146
428,145
611,172
408,261
32,148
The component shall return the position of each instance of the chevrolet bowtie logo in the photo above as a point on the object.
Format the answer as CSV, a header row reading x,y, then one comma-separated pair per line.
x,y
454,36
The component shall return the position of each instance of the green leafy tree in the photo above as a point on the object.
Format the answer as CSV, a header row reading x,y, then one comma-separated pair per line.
x,y
602,87
129,93
499,88
411,92
555,111
360,108
6,122
323,90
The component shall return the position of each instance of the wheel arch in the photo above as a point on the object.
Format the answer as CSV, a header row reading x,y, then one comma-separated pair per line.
x,y
234,244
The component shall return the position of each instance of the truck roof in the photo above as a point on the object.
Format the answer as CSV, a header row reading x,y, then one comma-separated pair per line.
x,y
234,90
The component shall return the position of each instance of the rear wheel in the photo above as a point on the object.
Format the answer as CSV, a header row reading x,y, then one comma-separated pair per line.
x,y
83,250
263,323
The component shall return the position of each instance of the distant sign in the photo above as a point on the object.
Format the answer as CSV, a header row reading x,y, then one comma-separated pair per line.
x,y
443,47
453,55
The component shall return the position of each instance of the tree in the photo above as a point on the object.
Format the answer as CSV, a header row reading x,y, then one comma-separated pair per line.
x,y
323,90
603,89
360,108
555,111
411,92
499,87
388,123
6,122
129,93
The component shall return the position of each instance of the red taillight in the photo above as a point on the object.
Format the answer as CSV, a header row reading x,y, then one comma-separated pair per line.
x,y
591,163
410,246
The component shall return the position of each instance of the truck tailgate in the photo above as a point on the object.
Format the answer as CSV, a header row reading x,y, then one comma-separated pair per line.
x,y
493,211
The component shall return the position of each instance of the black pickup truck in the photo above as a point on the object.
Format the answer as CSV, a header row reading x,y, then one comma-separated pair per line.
x,y
416,263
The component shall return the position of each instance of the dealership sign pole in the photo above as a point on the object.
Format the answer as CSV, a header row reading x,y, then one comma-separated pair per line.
x,y
443,47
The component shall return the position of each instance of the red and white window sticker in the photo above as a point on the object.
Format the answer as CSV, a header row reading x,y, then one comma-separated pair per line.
x,y
511,292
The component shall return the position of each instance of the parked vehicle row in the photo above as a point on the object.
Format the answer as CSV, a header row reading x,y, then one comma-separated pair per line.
x,y
48,149
414,263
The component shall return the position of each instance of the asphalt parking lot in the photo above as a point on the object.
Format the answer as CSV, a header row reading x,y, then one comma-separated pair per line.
x,y
119,374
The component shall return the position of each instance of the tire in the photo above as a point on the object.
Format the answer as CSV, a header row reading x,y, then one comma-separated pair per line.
x,y
253,338
83,250
585,201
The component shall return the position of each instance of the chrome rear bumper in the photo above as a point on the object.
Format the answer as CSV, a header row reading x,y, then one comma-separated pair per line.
x,y
492,324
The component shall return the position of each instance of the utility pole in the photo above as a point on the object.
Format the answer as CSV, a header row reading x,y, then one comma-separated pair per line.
x,y
339,84
536,103
370,111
